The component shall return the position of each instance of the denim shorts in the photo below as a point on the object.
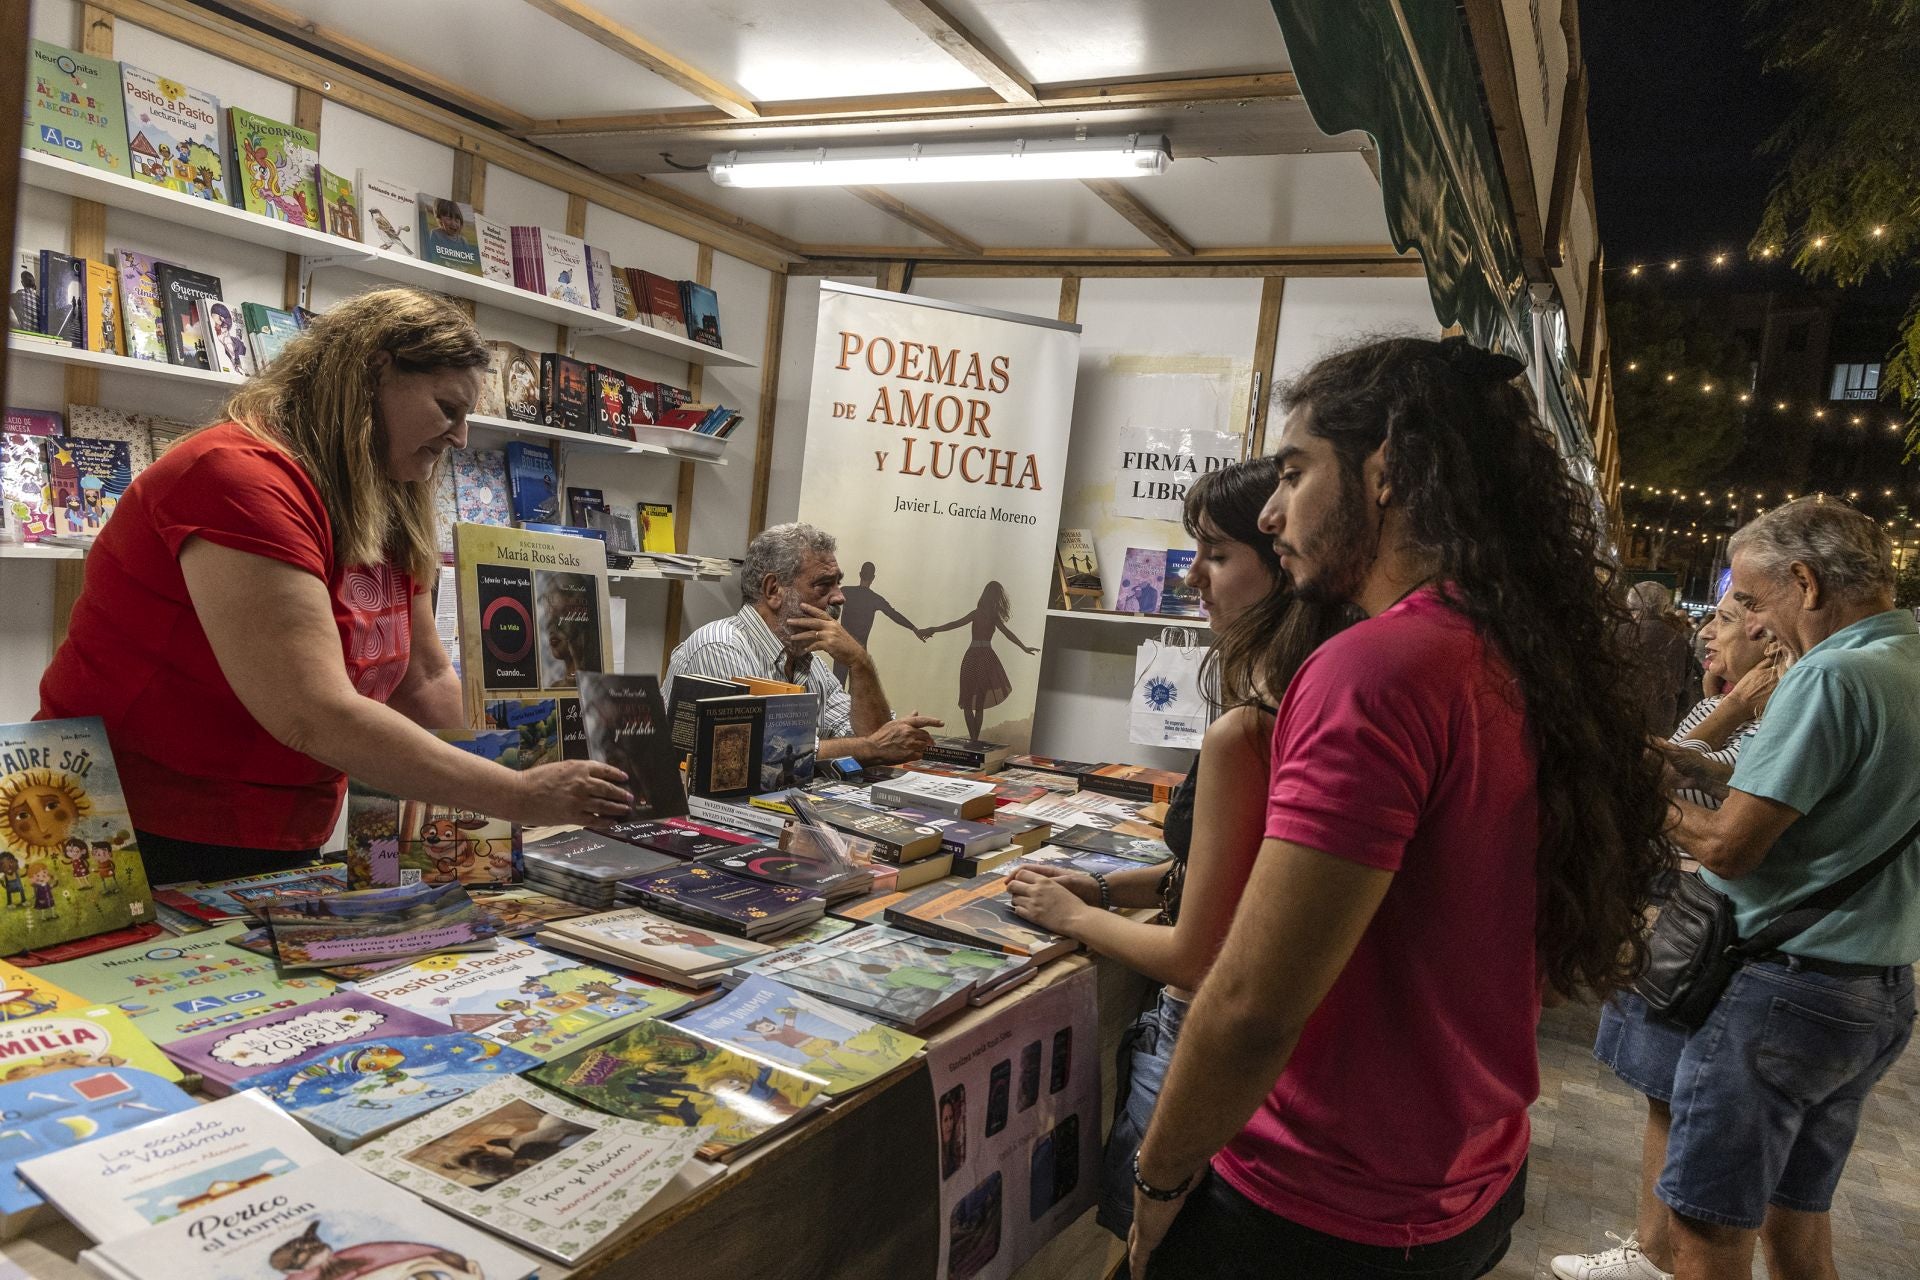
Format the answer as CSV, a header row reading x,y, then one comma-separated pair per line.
x,y
1146,1051
1766,1096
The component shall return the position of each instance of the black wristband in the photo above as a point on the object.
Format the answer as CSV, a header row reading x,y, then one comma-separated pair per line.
x,y
1152,1192
1106,892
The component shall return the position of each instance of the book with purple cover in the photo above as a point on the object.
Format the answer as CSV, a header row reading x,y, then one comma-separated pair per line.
x,y
706,894
230,1056
1142,579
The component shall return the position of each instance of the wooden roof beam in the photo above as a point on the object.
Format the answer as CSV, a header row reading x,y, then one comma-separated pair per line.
x,y
1336,255
890,204
966,48
1144,220
603,30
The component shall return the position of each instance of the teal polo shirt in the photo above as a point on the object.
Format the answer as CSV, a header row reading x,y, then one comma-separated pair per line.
x,y
1840,744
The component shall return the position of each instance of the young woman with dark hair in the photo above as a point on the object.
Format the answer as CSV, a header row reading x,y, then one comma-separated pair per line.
x,y
1261,633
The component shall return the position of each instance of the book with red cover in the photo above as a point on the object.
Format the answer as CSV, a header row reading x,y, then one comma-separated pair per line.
x,y
663,310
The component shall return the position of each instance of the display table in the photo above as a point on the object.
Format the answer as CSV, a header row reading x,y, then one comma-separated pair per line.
x,y
851,1194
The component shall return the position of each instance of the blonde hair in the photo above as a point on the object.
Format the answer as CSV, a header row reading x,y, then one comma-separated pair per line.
x,y
316,401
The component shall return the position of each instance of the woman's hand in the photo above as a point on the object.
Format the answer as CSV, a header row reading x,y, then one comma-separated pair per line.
x,y
1078,883
1048,901
570,793
1750,692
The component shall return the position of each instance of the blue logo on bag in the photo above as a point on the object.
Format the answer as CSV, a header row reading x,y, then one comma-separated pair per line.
x,y
1160,693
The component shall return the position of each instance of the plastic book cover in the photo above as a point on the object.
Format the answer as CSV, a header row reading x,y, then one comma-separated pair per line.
x,y
349,1094
225,337
23,483
69,867
480,486
183,293
517,911
388,213
790,739
243,896
539,1169
447,234
325,1222
1142,578
74,107
276,166
600,280
100,307
173,134
62,1109
94,422
891,974
532,1000
361,926
179,987
667,1075
24,993
169,1166
496,249
286,1038
140,306
663,943
101,1036
701,307
533,482
339,208
764,1019
627,728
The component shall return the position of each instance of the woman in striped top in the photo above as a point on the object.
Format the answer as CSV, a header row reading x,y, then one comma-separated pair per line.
x,y
1740,676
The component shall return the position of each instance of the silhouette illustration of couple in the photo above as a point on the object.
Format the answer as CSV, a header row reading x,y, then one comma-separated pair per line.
x,y
983,680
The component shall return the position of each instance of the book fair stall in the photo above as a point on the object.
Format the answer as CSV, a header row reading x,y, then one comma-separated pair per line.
x,y
780,1014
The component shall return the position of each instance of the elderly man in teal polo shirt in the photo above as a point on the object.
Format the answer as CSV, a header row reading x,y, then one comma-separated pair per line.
x,y
1767,1095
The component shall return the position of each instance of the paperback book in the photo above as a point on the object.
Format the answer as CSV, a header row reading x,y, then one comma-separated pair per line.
x,y
895,839
447,234
669,1076
1133,782
225,339
518,911
540,1169
496,249
1177,596
962,837
968,753
173,134
910,982
814,868
100,303
533,615
627,728
701,309
637,939
480,486
64,1108
789,740
345,1096
232,1056
977,913
662,304
511,386
1077,573
774,1023
528,999
62,314
1142,578
183,294
680,842
707,896
243,896
1142,850
585,868
269,330
552,264
74,107
361,926
140,310
276,166
729,734
98,1037
534,483
25,993
927,792
23,486
387,213
564,396
600,280
339,207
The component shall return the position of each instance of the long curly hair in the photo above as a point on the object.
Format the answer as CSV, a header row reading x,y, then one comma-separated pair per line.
x,y
1519,549
1253,659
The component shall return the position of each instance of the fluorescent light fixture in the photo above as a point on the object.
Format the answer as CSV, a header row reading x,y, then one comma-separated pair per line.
x,y
1128,157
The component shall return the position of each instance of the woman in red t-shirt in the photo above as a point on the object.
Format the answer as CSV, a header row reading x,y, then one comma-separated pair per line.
x,y
249,630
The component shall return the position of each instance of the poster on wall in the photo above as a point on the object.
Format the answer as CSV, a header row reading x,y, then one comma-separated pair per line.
x,y
1157,465
1017,1110
936,453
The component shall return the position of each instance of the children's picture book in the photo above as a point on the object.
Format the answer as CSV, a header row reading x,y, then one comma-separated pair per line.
x,y
520,911
539,1169
627,728
225,336
243,896
1177,595
74,107
667,1075
510,387
701,307
496,248
172,1165
100,304
179,987
85,480
339,208
763,1019
908,981
443,843
533,480
96,422
98,1037
276,166
173,134
447,234
23,485
361,926
536,1001
64,1108
544,735
333,1221
349,1094
183,294
480,486
1142,578
533,615
62,314
232,1056
637,939
269,330
24,993
140,314
388,213
69,866
259,940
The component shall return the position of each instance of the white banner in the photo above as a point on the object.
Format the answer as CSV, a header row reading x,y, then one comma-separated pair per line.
x,y
1159,464
936,450
1017,1109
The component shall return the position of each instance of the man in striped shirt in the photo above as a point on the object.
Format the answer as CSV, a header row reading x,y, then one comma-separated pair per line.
x,y
788,629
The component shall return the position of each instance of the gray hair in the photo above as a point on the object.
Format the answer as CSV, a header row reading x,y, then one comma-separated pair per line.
x,y
782,551
1850,554
1648,598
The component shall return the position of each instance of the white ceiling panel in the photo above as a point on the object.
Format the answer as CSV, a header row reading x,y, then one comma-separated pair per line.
x,y
1028,214
809,215
1271,200
486,49
1067,40
778,50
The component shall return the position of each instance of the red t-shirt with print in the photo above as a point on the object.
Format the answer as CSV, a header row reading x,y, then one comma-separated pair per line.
x,y
194,763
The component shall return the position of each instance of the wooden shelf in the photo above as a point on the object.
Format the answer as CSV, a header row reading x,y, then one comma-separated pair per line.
x,y
34,551
322,250
28,349
1132,619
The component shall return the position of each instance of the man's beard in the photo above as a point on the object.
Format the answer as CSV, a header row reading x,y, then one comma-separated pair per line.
x,y
790,609
1341,552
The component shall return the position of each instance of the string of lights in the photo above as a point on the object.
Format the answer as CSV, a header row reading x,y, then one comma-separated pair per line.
x,y
1736,497
1720,259
1817,411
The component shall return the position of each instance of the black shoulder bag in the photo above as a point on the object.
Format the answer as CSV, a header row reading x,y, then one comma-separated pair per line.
x,y
1694,948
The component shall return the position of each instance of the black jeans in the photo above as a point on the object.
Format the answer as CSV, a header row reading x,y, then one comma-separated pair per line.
x,y
1221,1234
169,861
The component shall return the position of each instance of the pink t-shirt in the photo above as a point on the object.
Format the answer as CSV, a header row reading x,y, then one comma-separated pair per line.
x,y
1402,1116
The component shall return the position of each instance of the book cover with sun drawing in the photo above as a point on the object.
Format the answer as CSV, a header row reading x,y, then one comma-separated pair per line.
x,y
69,867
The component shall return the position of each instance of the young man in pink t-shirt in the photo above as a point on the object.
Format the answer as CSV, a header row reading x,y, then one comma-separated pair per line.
x,y
1459,814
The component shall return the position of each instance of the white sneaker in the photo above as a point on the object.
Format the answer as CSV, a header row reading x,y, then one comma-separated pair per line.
x,y
1624,1262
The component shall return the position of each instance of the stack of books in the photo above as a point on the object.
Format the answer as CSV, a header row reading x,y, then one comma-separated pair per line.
x,y
804,865
682,841
968,753
932,793
586,868
708,897
669,950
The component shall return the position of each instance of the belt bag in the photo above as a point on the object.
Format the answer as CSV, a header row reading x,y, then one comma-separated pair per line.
x,y
1694,948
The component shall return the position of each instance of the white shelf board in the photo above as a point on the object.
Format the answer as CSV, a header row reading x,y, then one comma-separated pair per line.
x,y
581,439
34,551
322,250
28,349
1127,619
664,575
